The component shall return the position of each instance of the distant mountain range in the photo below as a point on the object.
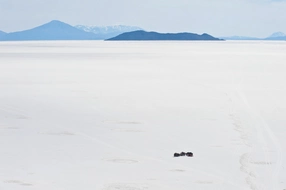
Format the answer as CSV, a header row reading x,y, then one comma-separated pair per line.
x,y
277,36
54,30
2,33
274,36
106,32
143,35
239,38
57,30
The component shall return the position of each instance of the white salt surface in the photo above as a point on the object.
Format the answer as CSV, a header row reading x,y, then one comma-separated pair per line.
x,y
110,115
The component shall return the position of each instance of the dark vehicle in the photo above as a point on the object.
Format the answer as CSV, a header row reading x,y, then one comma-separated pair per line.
x,y
182,154
189,154
176,155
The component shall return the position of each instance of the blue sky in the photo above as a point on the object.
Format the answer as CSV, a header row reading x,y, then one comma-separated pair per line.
x,y
217,17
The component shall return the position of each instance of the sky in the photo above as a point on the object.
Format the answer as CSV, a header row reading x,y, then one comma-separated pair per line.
x,y
256,18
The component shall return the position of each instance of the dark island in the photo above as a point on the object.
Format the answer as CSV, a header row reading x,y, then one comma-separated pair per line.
x,y
143,35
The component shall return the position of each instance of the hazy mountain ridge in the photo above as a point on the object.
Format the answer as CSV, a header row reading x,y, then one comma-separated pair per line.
x,y
143,35
239,38
106,32
108,29
54,30
57,30
274,36
2,34
277,36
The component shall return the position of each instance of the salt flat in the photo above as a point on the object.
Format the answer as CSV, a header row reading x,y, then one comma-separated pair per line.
x,y
94,115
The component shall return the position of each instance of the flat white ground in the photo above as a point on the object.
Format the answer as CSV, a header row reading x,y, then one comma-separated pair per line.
x,y
110,115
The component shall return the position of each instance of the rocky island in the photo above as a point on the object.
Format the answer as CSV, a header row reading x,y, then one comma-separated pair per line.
x,y
143,35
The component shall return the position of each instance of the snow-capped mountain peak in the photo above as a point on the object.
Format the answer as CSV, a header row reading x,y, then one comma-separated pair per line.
x,y
108,29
